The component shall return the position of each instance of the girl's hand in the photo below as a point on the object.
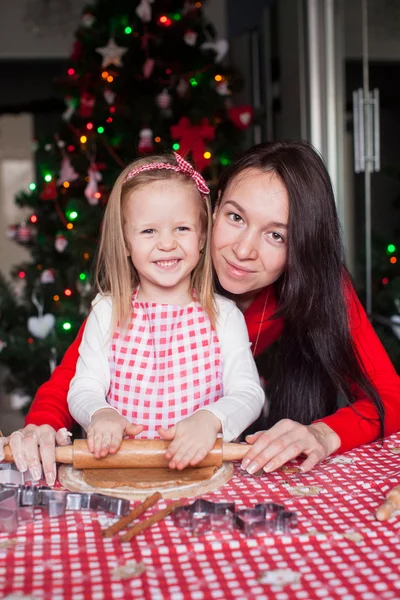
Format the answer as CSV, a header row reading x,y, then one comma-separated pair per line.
x,y
33,445
391,504
193,438
106,431
286,440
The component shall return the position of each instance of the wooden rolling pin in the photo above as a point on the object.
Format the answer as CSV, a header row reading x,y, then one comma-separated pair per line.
x,y
134,454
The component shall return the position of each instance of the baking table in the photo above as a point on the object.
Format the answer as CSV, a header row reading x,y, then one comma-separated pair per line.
x,y
338,550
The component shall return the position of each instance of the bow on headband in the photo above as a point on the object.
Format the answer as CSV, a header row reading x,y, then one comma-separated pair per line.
x,y
182,166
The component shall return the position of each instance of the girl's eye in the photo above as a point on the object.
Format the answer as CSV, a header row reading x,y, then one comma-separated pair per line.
x,y
234,217
148,231
183,228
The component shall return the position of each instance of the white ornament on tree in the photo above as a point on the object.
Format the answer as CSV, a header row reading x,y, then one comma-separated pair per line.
x,y
145,144
92,187
190,37
220,48
47,276
143,11
61,242
164,99
67,172
112,53
182,87
2,345
41,325
109,96
222,88
87,19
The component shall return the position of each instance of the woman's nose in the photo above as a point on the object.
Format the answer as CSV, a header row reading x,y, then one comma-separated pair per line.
x,y
245,247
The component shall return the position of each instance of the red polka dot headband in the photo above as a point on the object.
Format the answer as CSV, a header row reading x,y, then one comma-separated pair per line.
x,y
182,166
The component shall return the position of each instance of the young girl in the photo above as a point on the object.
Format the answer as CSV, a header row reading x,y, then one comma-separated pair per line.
x,y
162,356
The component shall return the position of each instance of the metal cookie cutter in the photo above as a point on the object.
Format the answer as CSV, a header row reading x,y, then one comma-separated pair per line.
x,y
10,474
267,517
12,513
203,516
22,499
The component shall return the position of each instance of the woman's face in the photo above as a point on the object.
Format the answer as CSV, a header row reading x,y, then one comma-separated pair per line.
x,y
249,243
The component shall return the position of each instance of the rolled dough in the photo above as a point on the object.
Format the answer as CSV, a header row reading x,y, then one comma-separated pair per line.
x,y
146,478
138,489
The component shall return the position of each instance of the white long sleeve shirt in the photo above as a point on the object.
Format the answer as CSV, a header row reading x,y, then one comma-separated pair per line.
x,y
242,400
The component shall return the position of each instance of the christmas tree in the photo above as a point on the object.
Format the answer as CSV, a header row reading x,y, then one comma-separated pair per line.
x,y
144,77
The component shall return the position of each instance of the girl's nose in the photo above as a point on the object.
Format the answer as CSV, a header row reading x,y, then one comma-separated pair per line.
x,y
166,243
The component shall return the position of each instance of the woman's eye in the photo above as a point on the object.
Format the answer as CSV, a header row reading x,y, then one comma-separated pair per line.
x,y
234,217
277,237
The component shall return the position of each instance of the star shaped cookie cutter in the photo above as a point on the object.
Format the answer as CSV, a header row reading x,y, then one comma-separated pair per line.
x,y
267,517
203,516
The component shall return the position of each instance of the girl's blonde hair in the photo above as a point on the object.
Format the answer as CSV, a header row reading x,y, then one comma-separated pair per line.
x,y
115,274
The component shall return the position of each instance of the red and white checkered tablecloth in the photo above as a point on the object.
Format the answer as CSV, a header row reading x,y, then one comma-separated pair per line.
x,y
338,550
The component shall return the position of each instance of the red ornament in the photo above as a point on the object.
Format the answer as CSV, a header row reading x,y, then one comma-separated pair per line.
x,y
24,234
49,191
191,139
86,105
241,116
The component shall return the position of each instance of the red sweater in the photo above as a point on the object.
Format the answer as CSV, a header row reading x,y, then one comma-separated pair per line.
x,y
50,404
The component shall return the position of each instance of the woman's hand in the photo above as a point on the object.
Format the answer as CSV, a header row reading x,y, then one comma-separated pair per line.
x,y
34,446
391,504
107,430
193,438
286,440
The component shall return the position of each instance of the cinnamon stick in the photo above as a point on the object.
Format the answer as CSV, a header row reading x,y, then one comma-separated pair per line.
x,y
143,525
132,515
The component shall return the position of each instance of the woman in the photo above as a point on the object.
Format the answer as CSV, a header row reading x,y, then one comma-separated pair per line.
x,y
277,252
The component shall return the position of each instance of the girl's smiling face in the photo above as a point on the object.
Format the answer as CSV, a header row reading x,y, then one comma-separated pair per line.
x,y
249,242
164,236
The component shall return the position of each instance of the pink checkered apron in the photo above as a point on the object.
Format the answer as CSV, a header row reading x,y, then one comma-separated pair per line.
x,y
165,365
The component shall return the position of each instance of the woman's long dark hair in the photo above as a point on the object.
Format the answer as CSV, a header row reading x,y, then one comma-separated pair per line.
x,y
316,360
